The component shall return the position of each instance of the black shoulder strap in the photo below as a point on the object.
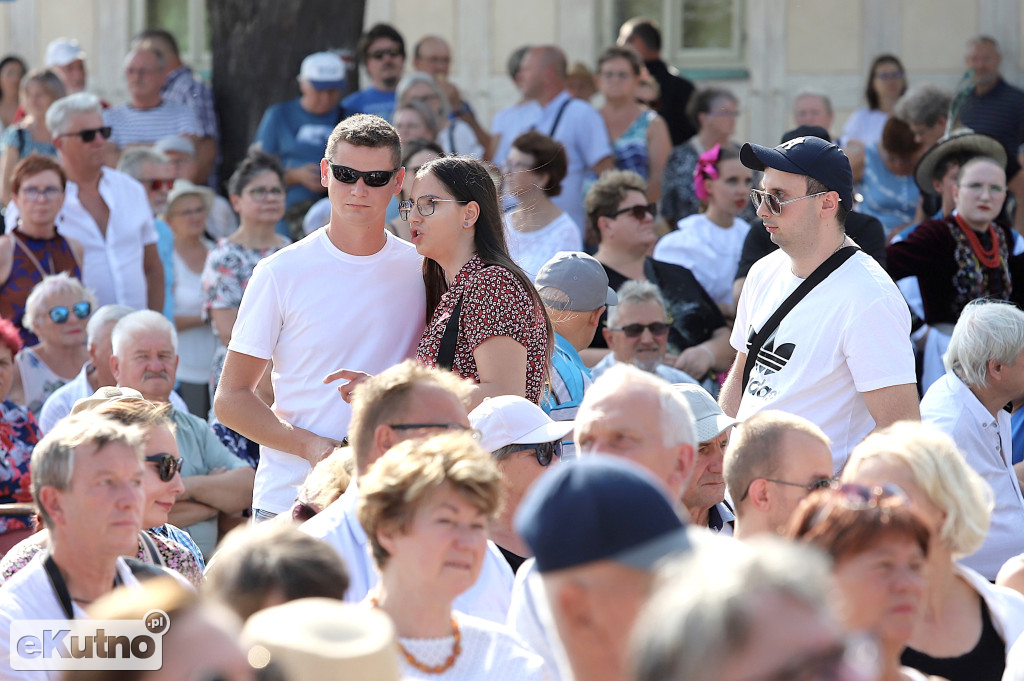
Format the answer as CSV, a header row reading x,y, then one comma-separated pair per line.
x,y
817,276
59,587
558,116
21,142
144,571
446,352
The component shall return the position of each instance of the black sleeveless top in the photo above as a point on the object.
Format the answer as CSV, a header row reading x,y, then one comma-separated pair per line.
x,y
985,662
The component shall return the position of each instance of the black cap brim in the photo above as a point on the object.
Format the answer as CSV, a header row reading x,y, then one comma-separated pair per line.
x,y
756,157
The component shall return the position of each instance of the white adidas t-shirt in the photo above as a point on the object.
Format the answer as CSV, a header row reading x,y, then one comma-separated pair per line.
x,y
313,309
849,335
711,252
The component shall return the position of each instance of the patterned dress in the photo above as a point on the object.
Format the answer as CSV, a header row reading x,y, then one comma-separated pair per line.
x,y
631,147
18,435
53,255
494,303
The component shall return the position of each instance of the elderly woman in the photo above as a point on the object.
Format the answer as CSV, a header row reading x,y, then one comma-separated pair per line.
x,y
623,220
34,248
964,256
18,435
56,311
187,208
425,506
159,542
969,624
39,90
415,120
879,548
454,135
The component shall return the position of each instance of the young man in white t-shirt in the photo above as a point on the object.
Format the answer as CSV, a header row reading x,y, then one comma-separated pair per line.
x,y
842,357
350,294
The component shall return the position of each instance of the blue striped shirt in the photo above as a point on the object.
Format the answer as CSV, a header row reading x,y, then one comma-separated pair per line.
x,y
147,126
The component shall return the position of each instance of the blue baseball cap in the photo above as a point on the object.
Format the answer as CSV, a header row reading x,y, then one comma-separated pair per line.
x,y
600,508
807,155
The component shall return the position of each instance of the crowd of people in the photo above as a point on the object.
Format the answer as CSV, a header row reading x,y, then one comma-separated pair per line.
x,y
593,392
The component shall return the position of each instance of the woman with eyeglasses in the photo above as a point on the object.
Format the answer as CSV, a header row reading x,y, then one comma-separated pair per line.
x,y
256,191
886,84
160,543
639,136
34,248
966,255
969,624
425,506
454,135
39,90
879,549
486,321
623,221
537,229
19,434
416,153
56,311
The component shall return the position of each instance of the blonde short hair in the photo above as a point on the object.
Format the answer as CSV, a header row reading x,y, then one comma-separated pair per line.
x,y
398,483
940,470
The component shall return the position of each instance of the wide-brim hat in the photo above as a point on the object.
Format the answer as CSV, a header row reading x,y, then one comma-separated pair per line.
x,y
961,140
183,188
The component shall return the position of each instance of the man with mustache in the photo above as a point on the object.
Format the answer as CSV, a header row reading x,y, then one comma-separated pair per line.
x,y
145,358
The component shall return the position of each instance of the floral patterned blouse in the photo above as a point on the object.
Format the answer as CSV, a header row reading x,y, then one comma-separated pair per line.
x,y
18,435
494,303
172,555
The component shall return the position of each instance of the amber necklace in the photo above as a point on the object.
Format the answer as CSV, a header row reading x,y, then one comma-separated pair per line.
x,y
426,668
988,258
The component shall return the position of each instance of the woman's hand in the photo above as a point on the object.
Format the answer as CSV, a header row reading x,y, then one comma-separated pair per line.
x,y
353,377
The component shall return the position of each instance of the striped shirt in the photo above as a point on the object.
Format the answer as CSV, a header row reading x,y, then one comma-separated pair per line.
x,y
146,126
186,88
998,113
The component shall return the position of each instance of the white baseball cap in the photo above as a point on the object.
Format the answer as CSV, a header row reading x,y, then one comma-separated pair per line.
x,y
323,70
63,51
513,420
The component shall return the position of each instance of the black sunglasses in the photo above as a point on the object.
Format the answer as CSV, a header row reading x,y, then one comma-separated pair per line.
x,y
546,452
638,211
637,330
167,465
89,135
372,178
60,314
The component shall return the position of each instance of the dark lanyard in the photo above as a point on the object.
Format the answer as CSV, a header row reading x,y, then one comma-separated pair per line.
x,y
61,588
558,117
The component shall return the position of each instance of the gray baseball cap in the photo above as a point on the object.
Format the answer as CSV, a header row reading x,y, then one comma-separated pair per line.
x,y
580,278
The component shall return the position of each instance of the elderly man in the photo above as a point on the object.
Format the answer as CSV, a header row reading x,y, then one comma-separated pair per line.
x,y
433,56
597,529
925,109
811,107
704,497
405,401
808,355
637,333
382,52
67,58
574,289
524,443
985,374
146,117
87,486
145,358
104,210
774,460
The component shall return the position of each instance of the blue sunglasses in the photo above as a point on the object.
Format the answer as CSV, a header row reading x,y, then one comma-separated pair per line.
x,y
60,314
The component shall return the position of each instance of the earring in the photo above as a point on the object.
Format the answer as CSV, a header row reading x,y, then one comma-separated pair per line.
x,y
465,224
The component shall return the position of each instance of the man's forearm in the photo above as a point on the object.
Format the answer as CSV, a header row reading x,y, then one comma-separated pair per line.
x,y
244,412
230,491
732,390
185,513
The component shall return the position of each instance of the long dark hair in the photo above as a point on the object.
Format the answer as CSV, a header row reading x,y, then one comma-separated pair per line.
x,y
869,92
24,70
469,180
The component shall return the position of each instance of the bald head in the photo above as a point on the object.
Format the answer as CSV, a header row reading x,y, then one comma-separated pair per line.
x,y
432,55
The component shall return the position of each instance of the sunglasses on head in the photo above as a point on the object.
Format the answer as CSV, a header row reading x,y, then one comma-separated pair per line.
x,y
60,314
89,135
167,465
638,211
372,178
637,330
546,452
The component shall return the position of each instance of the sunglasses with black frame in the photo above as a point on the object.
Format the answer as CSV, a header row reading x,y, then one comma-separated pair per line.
x,y
167,465
546,452
372,178
89,135
638,211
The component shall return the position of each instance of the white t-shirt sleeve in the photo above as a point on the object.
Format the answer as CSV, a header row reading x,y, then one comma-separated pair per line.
x,y
878,351
260,316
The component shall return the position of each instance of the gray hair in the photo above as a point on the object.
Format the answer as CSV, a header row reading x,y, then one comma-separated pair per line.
x,y
410,79
703,609
635,292
53,458
811,92
61,111
147,46
987,330
923,105
987,40
102,317
424,111
52,284
676,418
49,79
134,157
138,322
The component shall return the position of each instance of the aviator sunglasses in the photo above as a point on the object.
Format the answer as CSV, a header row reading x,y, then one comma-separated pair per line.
x,y
60,314
167,465
372,178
